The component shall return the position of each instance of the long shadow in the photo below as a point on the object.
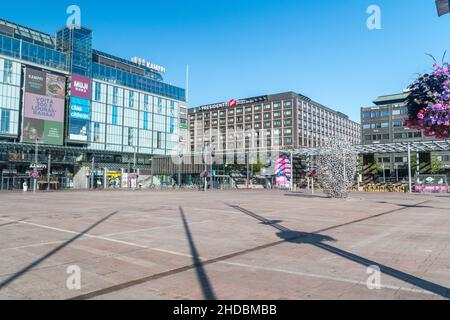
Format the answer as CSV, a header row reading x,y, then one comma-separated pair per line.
x,y
14,222
203,279
35,263
413,206
318,240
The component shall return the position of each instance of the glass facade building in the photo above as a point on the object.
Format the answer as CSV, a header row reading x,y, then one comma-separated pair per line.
x,y
122,110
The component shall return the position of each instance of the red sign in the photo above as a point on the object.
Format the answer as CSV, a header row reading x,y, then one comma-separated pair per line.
x,y
232,103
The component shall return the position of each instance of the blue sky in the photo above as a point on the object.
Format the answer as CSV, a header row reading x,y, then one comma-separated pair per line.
x,y
238,49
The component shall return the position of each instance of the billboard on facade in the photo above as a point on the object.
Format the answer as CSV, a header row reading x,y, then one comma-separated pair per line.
x,y
43,112
79,118
80,87
80,108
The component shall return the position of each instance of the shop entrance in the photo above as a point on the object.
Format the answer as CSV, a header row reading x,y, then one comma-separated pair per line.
x,y
13,181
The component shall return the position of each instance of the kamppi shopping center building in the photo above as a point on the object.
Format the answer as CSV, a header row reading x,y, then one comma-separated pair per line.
x,y
77,117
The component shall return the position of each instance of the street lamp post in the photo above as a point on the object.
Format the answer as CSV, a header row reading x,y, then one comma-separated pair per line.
x,y
409,168
92,172
134,159
35,165
205,168
49,172
248,169
180,159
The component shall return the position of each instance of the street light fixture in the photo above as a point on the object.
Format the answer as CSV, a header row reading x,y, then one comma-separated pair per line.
x,y
443,7
35,165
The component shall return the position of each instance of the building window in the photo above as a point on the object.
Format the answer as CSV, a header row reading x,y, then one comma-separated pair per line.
x,y
131,99
397,123
4,121
7,71
160,107
96,133
172,125
115,95
159,140
384,114
97,91
146,102
131,136
399,112
145,120
114,115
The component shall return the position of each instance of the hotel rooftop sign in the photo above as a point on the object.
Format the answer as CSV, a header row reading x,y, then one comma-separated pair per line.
x,y
231,103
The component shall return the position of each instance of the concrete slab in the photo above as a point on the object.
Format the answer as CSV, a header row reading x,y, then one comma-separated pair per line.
x,y
225,245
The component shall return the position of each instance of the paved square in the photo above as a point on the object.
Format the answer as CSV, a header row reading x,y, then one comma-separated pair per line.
x,y
223,245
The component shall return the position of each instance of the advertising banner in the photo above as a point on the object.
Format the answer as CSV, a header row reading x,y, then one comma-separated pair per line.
x,y
80,87
79,118
80,108
43,115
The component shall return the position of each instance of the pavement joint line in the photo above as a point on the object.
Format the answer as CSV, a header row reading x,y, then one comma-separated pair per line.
x,y
136,282
153,228
319,276
78,233
95,237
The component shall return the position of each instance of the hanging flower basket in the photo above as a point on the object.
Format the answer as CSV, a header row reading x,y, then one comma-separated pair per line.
x,y
429,103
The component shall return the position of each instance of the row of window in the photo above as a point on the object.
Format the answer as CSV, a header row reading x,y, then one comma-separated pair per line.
x,y
383,125
137,82
384,113
133,100
399,135
445,158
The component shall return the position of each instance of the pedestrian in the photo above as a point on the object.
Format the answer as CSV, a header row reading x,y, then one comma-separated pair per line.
x,y
25,187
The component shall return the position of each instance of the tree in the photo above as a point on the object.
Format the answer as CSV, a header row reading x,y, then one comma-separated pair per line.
x,y
437,166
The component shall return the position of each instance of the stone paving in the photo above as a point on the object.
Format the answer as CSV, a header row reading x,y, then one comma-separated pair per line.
x,y
223,245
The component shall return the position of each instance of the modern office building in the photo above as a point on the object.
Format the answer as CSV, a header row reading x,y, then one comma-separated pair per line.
x,y
384,123
284,121
76,106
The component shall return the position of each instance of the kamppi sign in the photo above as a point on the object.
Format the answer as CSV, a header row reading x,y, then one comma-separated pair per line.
x,y
80,108
43,117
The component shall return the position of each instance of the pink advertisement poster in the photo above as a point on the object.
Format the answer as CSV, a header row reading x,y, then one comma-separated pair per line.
x,y
80,87
43,107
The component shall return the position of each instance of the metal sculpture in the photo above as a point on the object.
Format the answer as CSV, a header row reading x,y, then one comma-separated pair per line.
x,y
336,164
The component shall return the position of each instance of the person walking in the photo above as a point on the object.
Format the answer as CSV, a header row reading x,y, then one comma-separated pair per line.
x,y
25,186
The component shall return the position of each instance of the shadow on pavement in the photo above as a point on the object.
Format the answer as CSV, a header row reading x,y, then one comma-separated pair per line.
x,y
208,292
35,263
319,240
